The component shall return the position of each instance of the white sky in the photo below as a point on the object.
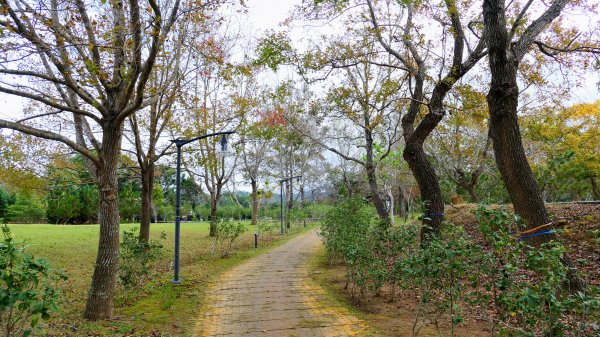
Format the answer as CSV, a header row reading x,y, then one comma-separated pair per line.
x,y
268,14
263,15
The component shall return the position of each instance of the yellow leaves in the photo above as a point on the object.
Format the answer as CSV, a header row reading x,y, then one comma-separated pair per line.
x,y
585,111
532,73
576,128
377,120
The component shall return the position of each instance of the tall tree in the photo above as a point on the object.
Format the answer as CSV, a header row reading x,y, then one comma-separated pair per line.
x,y
508,45
413,58
461,142
288,104
368,100
91,61
256,142
147,126
209,106
361,108
432,72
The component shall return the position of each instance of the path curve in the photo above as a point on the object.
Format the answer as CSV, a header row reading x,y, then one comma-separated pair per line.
x,y
273,295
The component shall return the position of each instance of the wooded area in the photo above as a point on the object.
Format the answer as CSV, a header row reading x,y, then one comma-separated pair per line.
x,y
403,106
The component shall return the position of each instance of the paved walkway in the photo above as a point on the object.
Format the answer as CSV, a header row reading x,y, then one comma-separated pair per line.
x,y
272,295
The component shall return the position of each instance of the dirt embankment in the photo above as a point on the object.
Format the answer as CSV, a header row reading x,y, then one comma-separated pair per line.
x,y
578,227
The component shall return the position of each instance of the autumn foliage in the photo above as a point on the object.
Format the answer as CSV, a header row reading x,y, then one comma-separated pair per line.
x,y
272,118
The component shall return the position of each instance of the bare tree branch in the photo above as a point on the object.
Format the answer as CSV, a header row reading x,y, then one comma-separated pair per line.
x,y
49,103
536,27
51,136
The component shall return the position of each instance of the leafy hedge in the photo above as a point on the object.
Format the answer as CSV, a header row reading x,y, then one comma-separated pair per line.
x,y
28,289
519,288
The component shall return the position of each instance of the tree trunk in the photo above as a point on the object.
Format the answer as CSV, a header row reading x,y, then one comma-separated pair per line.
x,y
392,202
401,202
503,99
511,160
429,187
595,190
147,189
348,185
215,197
254,185
471,190
371,172
375,196
291,189
213,215
290,201
99,304
469,186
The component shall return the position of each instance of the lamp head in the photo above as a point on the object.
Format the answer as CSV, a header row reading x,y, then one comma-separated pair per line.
x,y
223,150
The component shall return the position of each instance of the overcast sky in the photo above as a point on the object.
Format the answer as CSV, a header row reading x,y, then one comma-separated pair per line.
x,y
266,15
263,15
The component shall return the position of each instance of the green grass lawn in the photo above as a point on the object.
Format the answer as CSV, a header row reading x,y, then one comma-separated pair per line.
x,y
158,307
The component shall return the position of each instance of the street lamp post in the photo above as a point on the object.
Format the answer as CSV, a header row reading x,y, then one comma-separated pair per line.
x,y
180,143
281,181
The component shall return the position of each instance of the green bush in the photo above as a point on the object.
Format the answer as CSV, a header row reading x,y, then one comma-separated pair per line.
x,y
345,226
346,231
224,212
28,289
439,269
6,199
138,258
227,233
130,201
267,228
73,204
522,286
526,284
26,209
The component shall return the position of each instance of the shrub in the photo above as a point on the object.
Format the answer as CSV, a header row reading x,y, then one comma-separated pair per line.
x,y
519,288
297,215
26,209
267,229
344,226
439,270
525,284
6,199
227,233
138,258
28,289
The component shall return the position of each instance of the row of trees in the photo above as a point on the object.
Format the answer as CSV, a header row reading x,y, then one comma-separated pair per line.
x,y
69,196
112,82
408,59
112,78
389,64
562,165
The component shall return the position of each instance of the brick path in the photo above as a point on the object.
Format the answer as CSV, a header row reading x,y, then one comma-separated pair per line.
x,y
272,295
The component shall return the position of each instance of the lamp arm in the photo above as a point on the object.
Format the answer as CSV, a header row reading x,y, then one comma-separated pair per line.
x,y
187,141
288,179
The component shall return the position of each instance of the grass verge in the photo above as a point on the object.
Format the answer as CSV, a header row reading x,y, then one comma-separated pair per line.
x,y
159,308
327,278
